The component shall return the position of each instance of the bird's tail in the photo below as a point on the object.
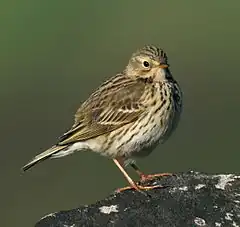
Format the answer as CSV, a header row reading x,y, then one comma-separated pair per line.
x,y
43,156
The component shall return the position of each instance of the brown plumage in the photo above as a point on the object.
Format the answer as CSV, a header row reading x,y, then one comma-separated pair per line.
x,y
126,116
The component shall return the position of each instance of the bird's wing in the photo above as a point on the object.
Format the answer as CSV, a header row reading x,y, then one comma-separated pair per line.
x,y
114,104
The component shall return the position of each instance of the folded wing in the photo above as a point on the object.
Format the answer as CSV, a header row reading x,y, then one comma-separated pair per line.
x,y
115,103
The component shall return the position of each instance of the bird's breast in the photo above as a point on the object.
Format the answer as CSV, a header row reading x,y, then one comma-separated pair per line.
x,y
152,127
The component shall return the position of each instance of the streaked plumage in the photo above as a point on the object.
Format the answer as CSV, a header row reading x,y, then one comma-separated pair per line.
x,y
126,116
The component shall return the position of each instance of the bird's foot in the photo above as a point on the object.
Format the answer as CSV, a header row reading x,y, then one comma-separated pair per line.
x,y
139,188
147,177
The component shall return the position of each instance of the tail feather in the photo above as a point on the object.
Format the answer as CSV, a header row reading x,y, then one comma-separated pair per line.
x,y
43,156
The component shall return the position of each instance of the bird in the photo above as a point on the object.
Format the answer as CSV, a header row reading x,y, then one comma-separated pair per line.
x,y
126,117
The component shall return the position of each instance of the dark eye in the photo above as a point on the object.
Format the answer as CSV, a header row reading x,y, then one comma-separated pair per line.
x,y
146,64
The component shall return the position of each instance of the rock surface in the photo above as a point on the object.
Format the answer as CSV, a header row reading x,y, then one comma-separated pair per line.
x,y
187,199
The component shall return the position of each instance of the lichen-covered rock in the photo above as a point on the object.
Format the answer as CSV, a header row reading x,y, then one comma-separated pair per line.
x,y
187,199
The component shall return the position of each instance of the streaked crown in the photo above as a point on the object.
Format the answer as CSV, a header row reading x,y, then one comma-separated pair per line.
x,y
153,53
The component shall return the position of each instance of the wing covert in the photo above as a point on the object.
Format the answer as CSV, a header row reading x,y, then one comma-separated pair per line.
x,y
114,104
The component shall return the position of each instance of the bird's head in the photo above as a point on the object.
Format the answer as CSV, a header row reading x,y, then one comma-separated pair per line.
x,y
150,62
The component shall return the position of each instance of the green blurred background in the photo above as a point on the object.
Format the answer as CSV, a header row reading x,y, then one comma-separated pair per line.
x,y
54,53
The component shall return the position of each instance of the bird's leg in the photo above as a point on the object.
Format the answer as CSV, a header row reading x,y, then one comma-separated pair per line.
x,y
145,177
133,185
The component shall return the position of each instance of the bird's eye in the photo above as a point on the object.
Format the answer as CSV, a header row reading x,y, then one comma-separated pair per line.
x,y
146,64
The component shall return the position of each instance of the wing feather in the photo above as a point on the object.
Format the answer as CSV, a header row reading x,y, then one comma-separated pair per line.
x,y
114,104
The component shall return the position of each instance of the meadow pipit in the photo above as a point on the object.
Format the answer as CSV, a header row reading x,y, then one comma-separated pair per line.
x,y
127,116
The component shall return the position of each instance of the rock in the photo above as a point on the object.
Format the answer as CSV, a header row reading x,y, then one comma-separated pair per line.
x,y
187,199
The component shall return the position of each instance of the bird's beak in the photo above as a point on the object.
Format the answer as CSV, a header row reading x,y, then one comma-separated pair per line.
x,y
163,66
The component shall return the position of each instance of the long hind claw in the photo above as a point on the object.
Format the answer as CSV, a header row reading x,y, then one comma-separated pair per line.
x,y
147,177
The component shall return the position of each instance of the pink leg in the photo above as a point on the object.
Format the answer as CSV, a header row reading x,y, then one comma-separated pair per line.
x,y
133,185
145,177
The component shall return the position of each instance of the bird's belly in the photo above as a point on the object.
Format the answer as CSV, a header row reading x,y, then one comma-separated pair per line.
x,y
140,138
